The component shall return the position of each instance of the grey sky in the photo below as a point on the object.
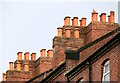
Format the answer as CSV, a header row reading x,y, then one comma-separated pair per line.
x,y
32,26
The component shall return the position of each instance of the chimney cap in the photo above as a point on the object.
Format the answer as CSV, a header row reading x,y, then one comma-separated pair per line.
x,y
10,62
75,17
26,63
59,28
49,50
84,18
67,17
33,53
76,29
67,28
103,14
26,53
80,20
19,52
112,11
42,49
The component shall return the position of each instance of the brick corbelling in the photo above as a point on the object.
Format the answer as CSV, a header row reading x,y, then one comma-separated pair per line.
x,y
68,42
14,75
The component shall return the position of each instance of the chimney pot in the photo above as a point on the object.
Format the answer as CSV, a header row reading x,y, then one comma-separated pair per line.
x,y
19,55
18,66
26,56
103,17
26,66
94,16
83,22
59,31
67,21
33,56
11,66
80,22
112,16
43,53
67,32
76,33
108,18
75,21
50,53
4,77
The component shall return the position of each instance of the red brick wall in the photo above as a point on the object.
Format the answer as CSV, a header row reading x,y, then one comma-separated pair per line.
x,y
113,55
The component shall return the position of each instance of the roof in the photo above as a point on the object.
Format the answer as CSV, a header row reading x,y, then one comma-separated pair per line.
x,y
54,73
38,76
73,72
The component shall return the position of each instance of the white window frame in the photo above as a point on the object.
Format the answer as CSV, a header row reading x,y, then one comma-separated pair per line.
x,y
108,72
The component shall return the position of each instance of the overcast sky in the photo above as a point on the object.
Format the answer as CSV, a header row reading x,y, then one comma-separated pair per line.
x,y
30,25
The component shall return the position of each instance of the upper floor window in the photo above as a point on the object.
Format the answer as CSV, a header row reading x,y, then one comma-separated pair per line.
x,y
80,80
106,71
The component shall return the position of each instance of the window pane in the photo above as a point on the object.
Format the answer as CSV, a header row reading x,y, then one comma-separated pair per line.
x,y
107,68
107,77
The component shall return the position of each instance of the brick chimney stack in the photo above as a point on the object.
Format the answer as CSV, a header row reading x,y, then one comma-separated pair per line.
x,y
76,33
11,66
67,32
94,16
33,56
26,66
112,16
3,77
59,31
75,21
103,17
67,21
18,66
43,53
26,56
19,56
50,53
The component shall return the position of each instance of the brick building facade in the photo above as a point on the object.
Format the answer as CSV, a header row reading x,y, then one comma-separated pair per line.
x,y
80,53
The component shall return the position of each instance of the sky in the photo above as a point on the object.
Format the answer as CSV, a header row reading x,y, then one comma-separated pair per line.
x,y
30,25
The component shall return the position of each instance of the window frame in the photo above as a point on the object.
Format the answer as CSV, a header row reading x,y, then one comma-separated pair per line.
x,y
107,63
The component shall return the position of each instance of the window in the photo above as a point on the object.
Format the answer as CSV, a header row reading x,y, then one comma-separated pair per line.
x,y
106,71
80,80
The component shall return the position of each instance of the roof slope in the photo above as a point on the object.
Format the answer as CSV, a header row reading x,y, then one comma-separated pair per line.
x,y
73,72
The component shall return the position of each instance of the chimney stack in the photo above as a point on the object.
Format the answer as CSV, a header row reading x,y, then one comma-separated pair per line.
x,y
26,66
103,17
75,21
43,53
67,21
11,66
33,56
67,32
94,16
4,77
76,33
19,55
50,53
18,66
26,56
112,16
59,31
